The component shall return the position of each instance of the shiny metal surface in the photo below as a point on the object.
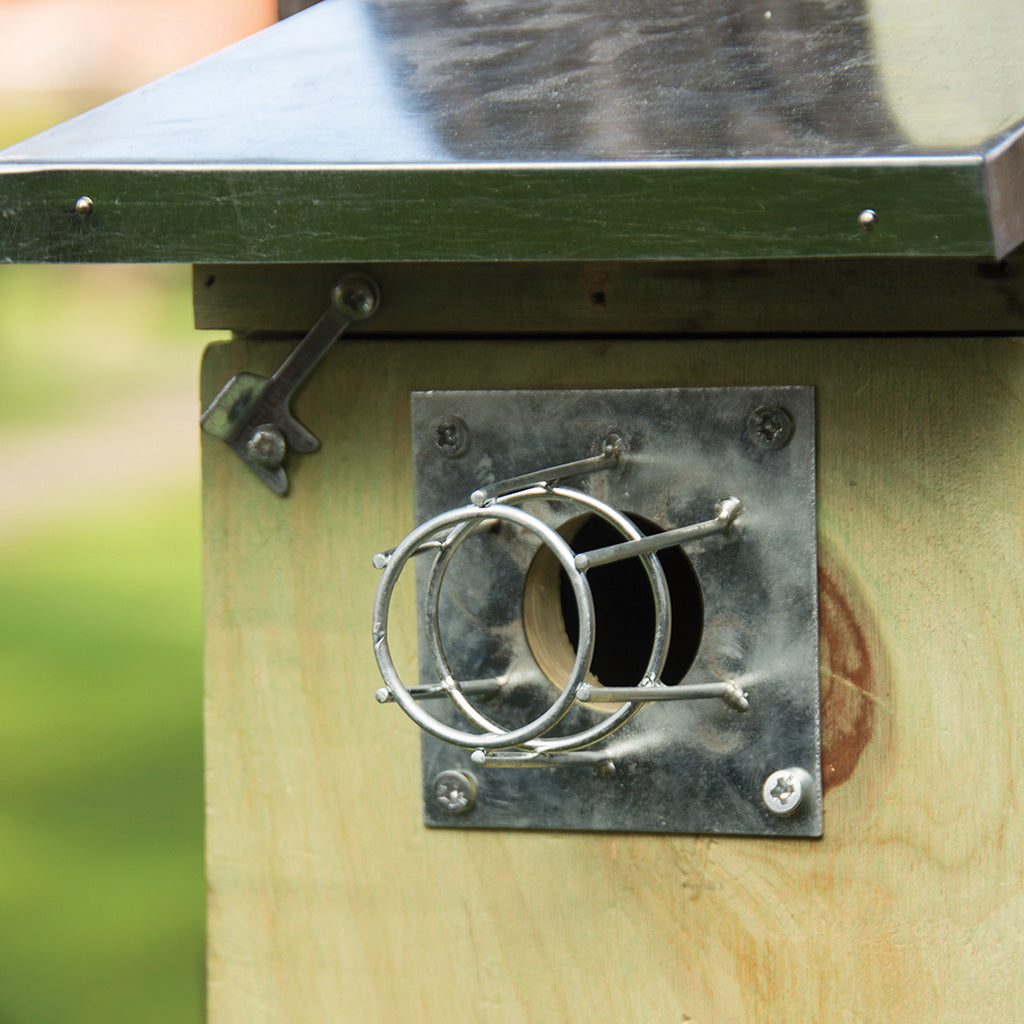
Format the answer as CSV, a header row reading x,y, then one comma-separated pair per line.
x,y
679,765
368,130
384,82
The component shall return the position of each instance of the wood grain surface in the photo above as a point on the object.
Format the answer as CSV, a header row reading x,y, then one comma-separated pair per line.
x,y
329,900
733,297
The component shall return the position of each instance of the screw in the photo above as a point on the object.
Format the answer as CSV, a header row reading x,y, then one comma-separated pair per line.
x,y
266,446
357,296
785,790
867,219
613,444
454,791
83,206
770,426
451,437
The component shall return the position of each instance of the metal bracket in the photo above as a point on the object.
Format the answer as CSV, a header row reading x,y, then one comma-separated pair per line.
x,y
527,626
252,414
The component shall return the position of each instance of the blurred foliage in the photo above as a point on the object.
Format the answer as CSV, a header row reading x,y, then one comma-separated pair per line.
x,y
76,338
101,890
101,805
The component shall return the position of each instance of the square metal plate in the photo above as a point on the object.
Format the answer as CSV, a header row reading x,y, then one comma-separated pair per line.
x,y
682,766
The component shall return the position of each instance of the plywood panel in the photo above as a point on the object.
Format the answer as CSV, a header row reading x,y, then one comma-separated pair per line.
x,y
330,901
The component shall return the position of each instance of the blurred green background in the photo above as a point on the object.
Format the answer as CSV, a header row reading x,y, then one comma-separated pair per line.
x,y
101,871
101,777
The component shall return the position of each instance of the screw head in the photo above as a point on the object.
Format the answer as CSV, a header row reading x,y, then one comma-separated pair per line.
x,y
83,206
266,446
613,444
357,296
867,219
451,437
454,792
786,790
770,426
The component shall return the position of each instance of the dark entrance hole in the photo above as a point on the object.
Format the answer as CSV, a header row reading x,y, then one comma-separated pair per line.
x,y
623,605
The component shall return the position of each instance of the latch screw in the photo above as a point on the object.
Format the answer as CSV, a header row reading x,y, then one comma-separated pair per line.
x,y
454,791
266,446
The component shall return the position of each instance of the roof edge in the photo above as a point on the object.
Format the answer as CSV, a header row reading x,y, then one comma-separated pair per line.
x,y
1004,186
488,214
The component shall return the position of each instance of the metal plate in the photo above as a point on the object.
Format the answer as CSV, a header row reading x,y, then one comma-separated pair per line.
x,y
368,130
693,766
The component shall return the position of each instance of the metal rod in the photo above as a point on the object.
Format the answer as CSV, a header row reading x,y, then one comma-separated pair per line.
x,y
611,448
431,691
539,759
728,509
729,692
381,559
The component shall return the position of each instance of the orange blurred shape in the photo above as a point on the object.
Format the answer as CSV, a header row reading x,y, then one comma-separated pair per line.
x,y
117,44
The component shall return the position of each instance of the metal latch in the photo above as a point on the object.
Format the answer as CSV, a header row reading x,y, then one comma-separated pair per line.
x,y
627,600
252,414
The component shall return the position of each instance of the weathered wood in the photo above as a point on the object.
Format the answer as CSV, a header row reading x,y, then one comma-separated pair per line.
x,y
329,900
756,297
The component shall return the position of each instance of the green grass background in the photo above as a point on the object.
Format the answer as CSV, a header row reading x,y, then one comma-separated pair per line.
x,y
101,891
101,804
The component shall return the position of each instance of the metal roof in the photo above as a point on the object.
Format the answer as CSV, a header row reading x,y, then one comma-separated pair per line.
x,y
362,130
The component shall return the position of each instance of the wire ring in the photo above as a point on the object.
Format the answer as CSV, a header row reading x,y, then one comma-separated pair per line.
x,y
659,589
381,607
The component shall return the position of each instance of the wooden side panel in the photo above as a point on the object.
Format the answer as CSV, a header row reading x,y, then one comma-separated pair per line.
x,y
758,297
330,901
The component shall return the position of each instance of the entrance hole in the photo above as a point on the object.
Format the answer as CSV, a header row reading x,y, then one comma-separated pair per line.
x,y
623,606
